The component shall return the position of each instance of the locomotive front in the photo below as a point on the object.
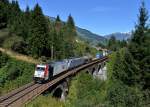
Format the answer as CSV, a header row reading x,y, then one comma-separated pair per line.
x,y
41,73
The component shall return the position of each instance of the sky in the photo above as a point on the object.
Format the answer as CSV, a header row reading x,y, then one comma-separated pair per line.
x,y
99,16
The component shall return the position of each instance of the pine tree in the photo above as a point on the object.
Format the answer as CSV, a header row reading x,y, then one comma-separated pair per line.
x,y
131,70
139,46
70,37
123,43
117,68
58,39
139,34
58,18
14,17
3,13
112,43
58,24
38,39
124,68
24,24
145,62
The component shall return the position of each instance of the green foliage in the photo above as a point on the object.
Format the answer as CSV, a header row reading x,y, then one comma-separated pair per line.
x,y
3,14
58,19
37,36
111,43
101,45
58,39
3,35
145,62
14,74
20,47
124,69
3,59
85,92
45,101
70,37
120,95
12,40
115,45
139,47
129,69
16,43
84,49
110,65
14,17
123,88
38,41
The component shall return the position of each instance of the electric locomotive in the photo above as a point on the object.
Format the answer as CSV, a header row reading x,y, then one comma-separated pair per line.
x,y
45,72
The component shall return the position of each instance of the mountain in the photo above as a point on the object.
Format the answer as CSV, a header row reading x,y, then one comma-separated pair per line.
x,y
119,36
87,35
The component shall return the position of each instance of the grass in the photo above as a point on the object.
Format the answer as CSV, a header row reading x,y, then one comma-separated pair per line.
x,y
4,33
14,74
45,101
19,56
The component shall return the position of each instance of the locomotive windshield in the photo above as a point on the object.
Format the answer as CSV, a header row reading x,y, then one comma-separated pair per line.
x,y
40,68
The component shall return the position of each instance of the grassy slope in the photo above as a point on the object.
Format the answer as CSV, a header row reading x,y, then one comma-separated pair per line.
x,y
80,95
15,73
19,56
4,33
25,66
45,101
17,70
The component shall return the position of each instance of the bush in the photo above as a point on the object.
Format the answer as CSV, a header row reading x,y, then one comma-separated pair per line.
x,y
85,91
10,41
120,95
15,74
16,44
45,101
3,59
20,47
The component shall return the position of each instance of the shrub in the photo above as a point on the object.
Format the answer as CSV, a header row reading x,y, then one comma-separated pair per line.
x,y
120,95
3,59
45,101
10,41
15,74
20,47
85,91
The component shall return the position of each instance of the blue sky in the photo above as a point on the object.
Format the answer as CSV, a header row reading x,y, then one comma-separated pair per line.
x,y
99,16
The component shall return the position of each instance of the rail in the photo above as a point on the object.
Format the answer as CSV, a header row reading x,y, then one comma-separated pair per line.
x,y
26,93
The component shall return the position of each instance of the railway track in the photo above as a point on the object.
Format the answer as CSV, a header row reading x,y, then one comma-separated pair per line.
x,y
29,91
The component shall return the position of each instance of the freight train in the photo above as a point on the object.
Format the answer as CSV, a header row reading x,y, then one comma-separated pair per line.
x,y
45,72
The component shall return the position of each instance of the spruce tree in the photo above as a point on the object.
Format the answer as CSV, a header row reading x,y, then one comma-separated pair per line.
x,y
131,70
58,18
139,46
14,17
4,4
58,39
117,68
38,39
70,36
58,24
145,62
25,24
139,34
112,43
